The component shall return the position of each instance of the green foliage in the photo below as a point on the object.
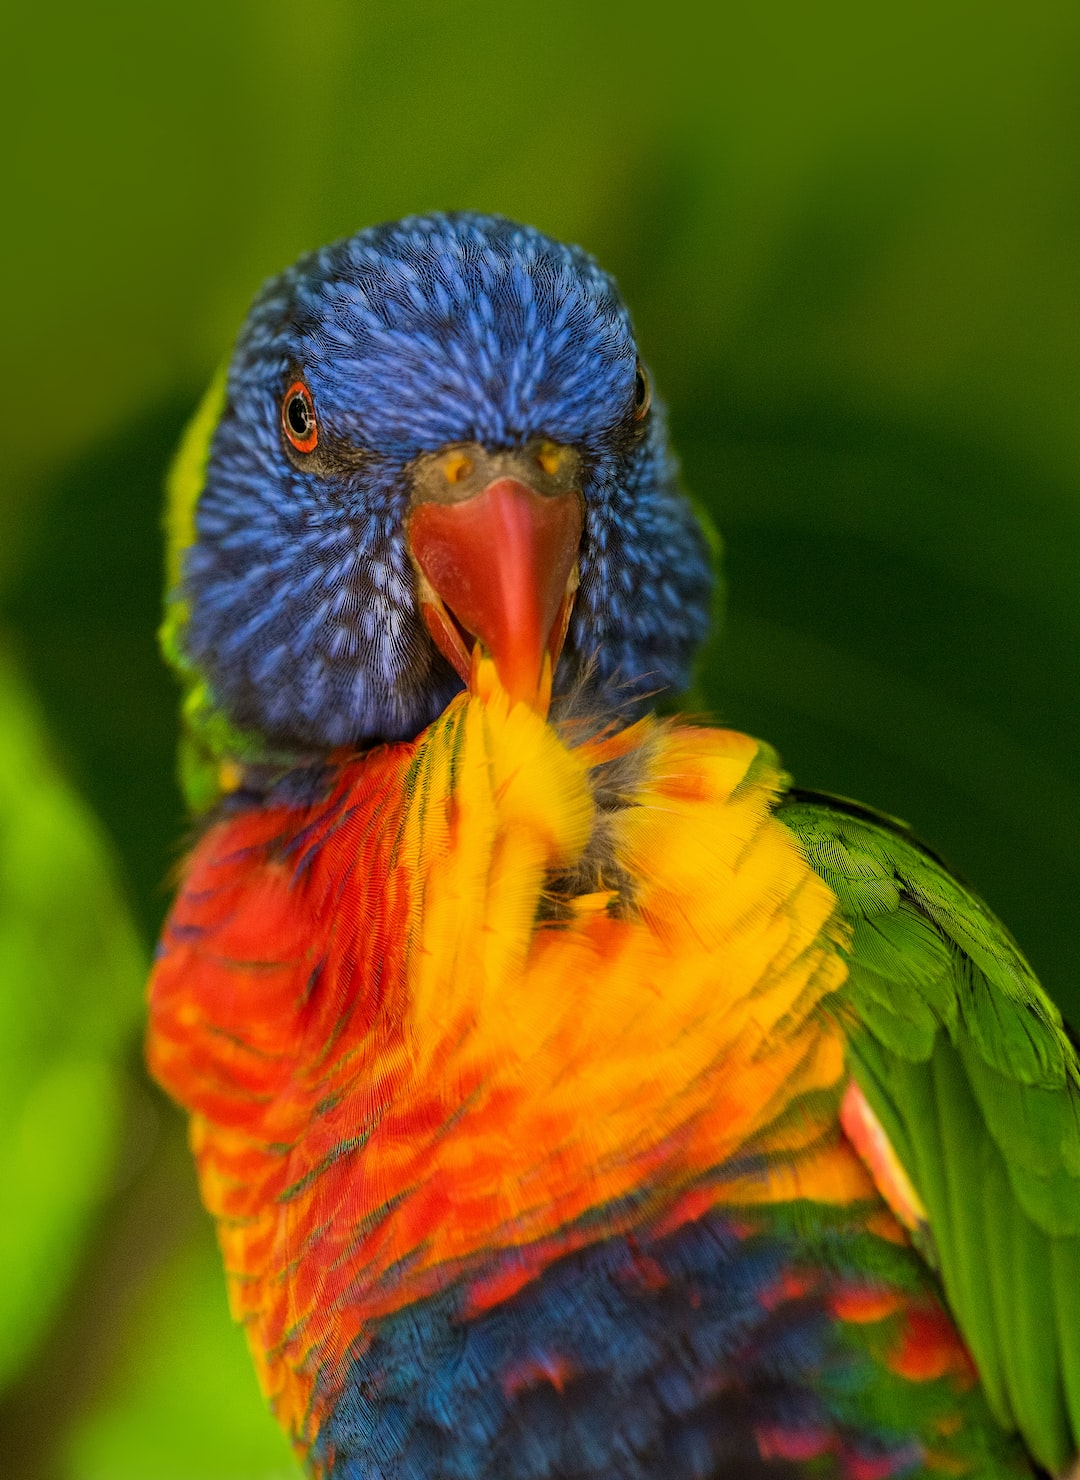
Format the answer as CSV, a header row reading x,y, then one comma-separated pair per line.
x,y
183,1401
71,972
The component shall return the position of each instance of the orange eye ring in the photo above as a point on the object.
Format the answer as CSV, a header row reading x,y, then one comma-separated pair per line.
x,y
642,391
298,420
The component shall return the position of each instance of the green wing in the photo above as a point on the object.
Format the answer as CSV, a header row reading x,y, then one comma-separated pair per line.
x,y
964,1060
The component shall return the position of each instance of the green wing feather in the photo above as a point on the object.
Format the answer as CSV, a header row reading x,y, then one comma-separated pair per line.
x,y
965,1061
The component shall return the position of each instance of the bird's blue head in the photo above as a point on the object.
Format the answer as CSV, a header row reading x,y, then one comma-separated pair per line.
x,y
433,436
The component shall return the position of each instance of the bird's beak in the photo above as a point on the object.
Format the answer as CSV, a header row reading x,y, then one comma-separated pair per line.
x,y
497,560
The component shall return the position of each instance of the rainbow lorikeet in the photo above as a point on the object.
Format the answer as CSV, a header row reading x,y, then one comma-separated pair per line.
x,y
574,1098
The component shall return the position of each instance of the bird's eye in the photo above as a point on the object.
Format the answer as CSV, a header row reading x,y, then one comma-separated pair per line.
x,y
642,391
298,420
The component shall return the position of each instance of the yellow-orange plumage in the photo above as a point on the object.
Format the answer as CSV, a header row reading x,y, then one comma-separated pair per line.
x,y
416,1048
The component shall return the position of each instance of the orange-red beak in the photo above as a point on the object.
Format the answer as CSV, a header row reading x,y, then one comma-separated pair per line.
x,y
498,572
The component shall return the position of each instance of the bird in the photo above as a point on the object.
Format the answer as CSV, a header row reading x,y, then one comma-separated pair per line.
x,y
576,1097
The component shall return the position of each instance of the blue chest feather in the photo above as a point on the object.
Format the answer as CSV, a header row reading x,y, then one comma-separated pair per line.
x,y
676,1359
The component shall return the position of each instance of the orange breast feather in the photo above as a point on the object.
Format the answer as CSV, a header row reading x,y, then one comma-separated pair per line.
x,y
413,1030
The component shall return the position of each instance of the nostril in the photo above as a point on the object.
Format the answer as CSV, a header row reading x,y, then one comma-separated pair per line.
x,y
549,457
457,467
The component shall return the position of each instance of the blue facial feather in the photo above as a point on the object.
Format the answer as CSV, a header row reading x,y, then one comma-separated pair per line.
x,y
410,336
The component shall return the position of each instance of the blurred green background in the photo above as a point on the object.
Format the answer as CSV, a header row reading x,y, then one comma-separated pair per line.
x,y
850,238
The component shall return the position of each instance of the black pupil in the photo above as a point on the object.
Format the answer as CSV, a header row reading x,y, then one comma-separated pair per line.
x,y
299,416
640,389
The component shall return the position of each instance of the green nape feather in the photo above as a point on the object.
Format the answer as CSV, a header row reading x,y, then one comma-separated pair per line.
x,y
965,1061
211,749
